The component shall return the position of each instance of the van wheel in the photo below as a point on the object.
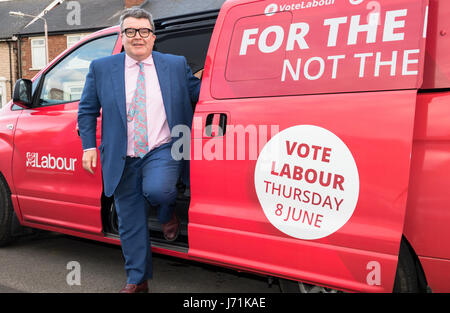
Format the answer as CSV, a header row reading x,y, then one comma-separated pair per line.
x,y
406,278
290,286
6,215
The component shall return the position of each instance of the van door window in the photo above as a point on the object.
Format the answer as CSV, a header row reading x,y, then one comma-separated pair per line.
x,y
256,66
65,82
192,44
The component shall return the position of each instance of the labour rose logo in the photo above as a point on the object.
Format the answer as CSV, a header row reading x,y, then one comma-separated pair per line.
x,y
271,9
31,159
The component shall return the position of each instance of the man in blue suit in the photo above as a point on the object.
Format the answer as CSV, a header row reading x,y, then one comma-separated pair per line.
x,y
143,94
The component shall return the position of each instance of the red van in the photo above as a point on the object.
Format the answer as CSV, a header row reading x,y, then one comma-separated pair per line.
x,y
319,150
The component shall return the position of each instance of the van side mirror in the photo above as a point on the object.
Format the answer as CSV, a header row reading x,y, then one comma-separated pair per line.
x,y
22,93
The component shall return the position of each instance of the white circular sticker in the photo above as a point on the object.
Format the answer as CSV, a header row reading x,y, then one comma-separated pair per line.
x,y
307,182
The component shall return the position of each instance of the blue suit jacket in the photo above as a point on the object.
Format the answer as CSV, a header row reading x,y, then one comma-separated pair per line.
x,y
105,89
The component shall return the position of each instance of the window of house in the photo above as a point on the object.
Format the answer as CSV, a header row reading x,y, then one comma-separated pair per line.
x,y
73,39
38,58
2,91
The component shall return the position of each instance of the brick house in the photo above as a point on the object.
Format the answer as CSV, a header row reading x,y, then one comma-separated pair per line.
x,y
23,49
8,69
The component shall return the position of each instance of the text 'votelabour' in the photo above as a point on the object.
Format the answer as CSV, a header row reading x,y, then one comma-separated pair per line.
x,y
308,188
374,31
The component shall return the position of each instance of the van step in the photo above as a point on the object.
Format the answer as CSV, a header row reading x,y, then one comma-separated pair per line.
x,y
180,245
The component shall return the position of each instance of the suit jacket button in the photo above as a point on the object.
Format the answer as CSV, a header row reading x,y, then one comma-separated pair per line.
x,y
124,157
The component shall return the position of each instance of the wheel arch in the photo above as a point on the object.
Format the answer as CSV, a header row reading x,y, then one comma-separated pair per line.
x,y
421,277
18,213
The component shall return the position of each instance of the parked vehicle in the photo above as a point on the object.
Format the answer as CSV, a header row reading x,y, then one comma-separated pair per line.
x,y
319,151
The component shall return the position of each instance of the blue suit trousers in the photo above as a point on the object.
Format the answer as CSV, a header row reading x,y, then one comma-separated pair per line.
x,y
150,180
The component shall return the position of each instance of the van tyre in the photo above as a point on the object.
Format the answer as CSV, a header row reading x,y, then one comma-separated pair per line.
x,y
406,277
290,286
6,215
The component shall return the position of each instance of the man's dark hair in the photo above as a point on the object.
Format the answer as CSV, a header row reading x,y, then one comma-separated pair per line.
x,y
136,12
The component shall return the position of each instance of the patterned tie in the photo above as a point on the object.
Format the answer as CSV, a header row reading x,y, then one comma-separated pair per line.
x,y
138,113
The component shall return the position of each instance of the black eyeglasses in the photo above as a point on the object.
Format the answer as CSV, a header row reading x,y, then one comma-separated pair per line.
x,y
131,32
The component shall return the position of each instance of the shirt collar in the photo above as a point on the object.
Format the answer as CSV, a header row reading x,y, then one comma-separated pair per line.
x,y
129,61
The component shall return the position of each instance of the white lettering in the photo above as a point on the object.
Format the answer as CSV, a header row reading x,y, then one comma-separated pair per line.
x,y
334,29
246,40
279,36
321,68
391,24
60,163
392,63
50,162
362,65
407,61
44,163
335,59
425,26
298,38
370,29
287,64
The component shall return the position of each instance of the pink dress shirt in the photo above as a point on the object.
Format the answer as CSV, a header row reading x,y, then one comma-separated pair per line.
x,y
157,127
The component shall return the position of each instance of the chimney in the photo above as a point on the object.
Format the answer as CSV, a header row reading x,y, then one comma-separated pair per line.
x,y
132,3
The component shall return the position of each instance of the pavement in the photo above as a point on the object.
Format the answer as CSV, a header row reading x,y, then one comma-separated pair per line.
x,y
55,263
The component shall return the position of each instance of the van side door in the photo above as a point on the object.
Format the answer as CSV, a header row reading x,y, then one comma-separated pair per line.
x,y
51,185
302,139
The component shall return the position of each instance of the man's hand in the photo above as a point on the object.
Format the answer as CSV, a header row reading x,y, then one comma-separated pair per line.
x,y
90,160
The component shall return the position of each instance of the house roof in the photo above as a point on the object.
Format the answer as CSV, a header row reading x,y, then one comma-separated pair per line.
x,y
166,8
94,14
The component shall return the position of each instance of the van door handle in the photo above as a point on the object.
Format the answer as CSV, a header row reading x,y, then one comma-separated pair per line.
x,y
216,124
